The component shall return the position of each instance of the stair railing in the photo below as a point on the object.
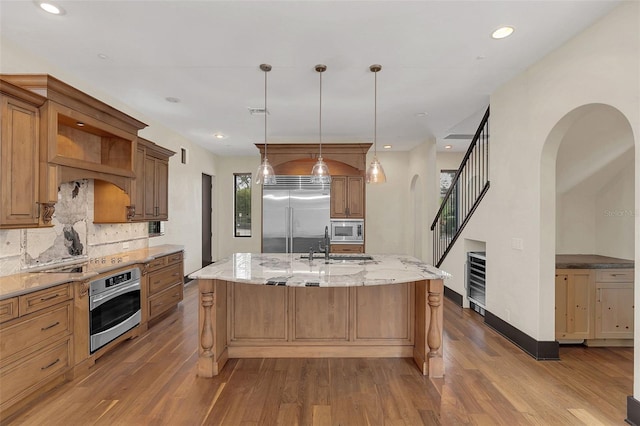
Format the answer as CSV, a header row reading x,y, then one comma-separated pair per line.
x,y
468,187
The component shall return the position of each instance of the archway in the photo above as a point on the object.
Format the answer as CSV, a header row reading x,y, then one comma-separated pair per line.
x,y
586,153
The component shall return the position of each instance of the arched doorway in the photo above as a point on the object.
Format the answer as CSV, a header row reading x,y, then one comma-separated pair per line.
x,y
587,190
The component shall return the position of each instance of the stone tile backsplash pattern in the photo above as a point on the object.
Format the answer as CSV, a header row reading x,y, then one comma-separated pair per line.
x,y
73,235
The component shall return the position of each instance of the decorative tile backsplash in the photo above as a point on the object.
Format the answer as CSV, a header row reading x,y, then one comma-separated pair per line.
x,y
73,235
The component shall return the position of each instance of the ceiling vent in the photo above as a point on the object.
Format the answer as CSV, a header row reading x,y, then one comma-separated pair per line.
x,y
257,111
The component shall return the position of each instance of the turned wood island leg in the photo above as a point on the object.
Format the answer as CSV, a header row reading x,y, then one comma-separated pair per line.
x,y
427,351
212,351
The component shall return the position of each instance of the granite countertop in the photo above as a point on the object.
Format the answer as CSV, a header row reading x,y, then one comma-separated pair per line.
x,y
591,261
27,282
291,270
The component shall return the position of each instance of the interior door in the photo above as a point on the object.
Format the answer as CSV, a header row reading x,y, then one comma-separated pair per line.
x,y
207,210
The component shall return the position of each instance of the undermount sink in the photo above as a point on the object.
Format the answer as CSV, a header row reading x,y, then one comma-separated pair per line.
x,y
340,257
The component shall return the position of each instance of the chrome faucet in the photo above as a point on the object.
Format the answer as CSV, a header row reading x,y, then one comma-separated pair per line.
x,y
327,245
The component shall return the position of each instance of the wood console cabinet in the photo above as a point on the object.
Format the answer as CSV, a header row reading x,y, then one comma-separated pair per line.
x,y
36,338
347,197
19,151
594,305
154,182
165,282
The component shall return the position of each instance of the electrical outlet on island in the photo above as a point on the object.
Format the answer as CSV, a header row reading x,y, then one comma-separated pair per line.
x,y
125,245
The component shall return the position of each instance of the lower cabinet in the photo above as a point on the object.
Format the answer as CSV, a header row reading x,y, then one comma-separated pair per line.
x,y
165,282
35,345
595,305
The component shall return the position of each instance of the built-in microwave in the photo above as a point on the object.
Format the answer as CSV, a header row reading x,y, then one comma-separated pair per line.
x,y
347,231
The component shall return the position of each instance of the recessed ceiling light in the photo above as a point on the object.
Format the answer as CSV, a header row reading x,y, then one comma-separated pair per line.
x,y
172,100
422,114
102,56
51,8
386,146
219,135
79,124
502,32
448,147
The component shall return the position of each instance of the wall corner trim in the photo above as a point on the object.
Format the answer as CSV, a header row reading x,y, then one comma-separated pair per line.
x,y
540,350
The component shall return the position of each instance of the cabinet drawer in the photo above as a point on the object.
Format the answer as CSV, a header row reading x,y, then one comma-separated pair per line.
x,y
164,278
347,248
156,264
165,300
35,301
26,373
8,309
36,329
174,258
614,275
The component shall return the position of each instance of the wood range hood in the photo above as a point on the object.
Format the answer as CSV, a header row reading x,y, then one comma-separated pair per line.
x,y
80,137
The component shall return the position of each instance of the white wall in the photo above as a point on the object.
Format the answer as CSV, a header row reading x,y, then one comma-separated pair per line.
x,y
224,238
615,215
184,180
529,116
447,160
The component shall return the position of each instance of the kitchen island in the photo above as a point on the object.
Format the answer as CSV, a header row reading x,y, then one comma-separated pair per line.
x,y
261,305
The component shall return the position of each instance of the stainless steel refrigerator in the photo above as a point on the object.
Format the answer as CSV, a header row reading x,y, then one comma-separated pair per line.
x,y
295,213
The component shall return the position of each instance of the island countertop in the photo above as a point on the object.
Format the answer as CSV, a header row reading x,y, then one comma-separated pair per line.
x,y
290,269
591,261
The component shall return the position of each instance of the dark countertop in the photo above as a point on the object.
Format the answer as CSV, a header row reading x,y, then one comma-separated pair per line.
x,y
591,261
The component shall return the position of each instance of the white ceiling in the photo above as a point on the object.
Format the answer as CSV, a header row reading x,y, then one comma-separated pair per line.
x,y
437,57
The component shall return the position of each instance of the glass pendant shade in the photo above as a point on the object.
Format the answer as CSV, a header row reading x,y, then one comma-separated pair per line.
x,y
265,174
375,172
320,172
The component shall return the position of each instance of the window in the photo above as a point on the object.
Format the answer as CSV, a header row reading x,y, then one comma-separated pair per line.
x,y
242,204
449,221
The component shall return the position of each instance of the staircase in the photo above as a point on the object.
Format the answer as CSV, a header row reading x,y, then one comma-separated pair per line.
x,y
468,187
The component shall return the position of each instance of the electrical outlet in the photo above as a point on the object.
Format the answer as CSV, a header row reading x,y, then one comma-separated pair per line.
x,y
125,245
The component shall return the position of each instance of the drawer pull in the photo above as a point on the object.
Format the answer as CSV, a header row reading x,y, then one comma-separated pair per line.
x,y
50,326
44,299
50,365
175,274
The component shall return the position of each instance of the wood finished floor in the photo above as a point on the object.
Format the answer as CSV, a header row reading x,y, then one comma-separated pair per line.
x,y
152,381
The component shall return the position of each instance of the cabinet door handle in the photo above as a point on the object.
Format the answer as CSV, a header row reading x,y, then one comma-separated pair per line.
x,y
50,365
50,326
175,274
44,299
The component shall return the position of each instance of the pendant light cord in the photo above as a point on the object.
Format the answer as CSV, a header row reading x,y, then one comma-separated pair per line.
x,y
375,114
320,115
265,114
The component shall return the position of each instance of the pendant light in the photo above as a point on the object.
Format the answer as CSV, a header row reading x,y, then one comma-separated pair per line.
x,y
375,172
265,174
320,171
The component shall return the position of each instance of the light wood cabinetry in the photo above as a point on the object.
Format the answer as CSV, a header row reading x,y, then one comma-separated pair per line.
x,y
19,151
614,304
594,305
574,304
35,345
347,248
293,316
347,197
165,282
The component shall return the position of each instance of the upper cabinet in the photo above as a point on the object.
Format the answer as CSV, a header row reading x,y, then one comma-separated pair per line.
x,y
153,185
19,150
347,197
79,137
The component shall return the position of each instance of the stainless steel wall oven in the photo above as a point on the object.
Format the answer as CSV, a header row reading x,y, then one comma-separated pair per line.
x,y
114,307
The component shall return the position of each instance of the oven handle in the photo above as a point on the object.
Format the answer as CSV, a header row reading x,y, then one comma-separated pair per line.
x,y
96,301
